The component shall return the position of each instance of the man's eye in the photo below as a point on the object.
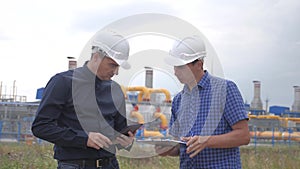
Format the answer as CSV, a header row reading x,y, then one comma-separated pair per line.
x,y
114,66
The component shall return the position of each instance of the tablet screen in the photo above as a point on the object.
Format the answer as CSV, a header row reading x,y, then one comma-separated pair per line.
x,y
131,128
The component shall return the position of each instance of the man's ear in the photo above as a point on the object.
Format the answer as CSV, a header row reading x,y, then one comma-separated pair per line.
x,y
200,64
96,57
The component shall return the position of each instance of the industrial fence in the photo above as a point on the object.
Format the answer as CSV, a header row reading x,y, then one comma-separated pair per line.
x,y
272,130
16,119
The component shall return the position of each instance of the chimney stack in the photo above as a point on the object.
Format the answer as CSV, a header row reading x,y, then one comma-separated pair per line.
x,y
296,104
72,63
256,103
14,95
149,77
0,90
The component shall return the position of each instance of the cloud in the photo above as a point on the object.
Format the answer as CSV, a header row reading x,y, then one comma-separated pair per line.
x,y
4,36
256,39
93,20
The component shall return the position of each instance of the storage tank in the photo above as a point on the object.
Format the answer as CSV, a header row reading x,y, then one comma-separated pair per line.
x,y
256,103
296,104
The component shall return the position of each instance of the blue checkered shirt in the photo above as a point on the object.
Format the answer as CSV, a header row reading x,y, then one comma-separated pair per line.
x,y
210,108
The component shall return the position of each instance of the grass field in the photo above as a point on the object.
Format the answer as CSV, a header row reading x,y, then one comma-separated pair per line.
x,y
22,156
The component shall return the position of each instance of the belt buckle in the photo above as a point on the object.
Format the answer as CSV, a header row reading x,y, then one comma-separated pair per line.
x,y
98,163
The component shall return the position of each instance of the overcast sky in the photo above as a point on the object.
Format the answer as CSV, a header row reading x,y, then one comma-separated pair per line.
x,y
254,39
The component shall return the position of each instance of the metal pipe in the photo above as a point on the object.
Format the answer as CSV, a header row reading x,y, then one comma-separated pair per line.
x,y
165,91
135,113
277,135
143,90
163,118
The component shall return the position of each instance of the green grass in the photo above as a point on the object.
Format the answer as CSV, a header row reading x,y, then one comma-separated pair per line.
x,y
149,163
278,157
22,156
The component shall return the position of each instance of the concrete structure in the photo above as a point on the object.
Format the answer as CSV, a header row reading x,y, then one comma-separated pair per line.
x,y
149,77
72,63
256,103
296,104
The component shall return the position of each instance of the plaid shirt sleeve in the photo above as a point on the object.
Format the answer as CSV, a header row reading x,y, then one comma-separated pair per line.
x,y
234,107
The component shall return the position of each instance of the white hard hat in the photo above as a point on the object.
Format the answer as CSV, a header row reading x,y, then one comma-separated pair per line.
x,y
186,51
114,45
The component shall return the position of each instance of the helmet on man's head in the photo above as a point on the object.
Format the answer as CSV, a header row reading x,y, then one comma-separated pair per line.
x,y
186,50
114,45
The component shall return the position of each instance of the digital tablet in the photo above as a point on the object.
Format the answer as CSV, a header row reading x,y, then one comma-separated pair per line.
x,y
131,128
164,142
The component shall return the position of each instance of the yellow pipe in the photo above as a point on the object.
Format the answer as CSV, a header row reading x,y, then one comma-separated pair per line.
x,y
142,89
138,115
145,93
268,117
163,118
297,120
148,133
252,116
140,96
124,91
165,91
135,113
295,136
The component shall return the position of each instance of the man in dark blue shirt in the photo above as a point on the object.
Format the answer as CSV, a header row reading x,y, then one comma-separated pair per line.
x,y
82,110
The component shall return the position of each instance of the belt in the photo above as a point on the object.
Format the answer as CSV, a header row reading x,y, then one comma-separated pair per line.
x,y
90,163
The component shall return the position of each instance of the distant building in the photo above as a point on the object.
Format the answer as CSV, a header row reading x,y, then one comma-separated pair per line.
x,y
279,110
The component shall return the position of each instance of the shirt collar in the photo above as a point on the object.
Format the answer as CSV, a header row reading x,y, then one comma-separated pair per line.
x,y
90,75
204,81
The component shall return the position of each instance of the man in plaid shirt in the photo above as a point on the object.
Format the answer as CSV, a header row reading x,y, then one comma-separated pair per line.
x,y
208,113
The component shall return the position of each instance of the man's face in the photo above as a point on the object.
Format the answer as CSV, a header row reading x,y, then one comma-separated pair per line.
x,y
185,73
107,69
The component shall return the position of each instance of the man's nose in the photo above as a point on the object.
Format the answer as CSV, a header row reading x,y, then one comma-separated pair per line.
x,y
116,71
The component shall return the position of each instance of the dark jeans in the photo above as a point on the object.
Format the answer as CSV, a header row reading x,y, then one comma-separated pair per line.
x,y
64,165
